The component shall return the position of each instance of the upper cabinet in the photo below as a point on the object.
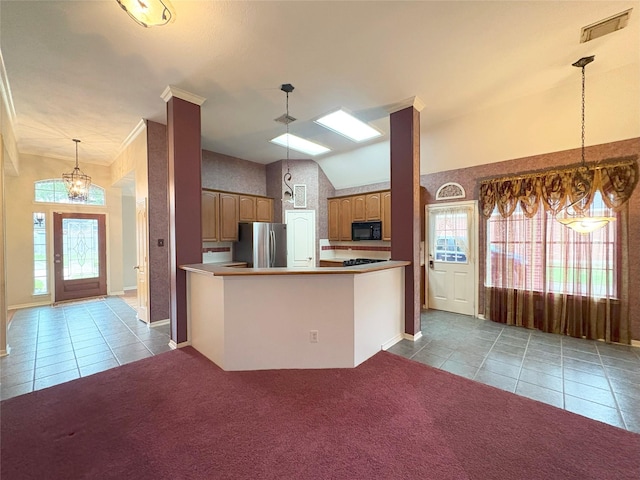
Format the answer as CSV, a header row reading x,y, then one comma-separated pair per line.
x,y
247,208
222,211
229,217
386,215
359,208
372,206
334,219
210,216
264,209
345,218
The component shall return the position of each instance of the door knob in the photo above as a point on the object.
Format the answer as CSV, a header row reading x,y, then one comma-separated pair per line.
x,y
137,267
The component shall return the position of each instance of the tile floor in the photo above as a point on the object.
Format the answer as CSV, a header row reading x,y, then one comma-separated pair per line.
x,y
593,379
52,345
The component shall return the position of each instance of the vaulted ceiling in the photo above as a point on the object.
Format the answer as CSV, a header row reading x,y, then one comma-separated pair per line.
x,y
84,69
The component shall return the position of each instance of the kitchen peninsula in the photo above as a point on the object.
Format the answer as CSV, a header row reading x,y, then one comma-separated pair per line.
x,y
272,318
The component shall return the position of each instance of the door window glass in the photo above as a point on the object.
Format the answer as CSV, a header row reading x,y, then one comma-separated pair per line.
x,y
40,284
450,235
80,248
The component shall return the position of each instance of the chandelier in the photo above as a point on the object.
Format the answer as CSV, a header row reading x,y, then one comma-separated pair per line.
x,y
582,181
76,182
148,13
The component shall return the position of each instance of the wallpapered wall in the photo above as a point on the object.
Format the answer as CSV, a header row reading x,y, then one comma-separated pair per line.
x,y
158,178
468,178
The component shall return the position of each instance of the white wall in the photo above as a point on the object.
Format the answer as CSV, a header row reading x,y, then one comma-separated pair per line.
x,y
20,206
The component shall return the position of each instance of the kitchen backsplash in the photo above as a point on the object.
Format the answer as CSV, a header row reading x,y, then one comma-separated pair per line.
x,y
216,252
362,249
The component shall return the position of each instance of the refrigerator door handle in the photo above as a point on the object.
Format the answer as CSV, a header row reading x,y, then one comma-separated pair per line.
x,y
272,248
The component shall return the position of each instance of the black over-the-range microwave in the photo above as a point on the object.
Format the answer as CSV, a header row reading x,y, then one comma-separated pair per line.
x,y
366,231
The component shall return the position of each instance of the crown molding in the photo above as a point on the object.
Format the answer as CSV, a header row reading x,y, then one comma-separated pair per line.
x,y
5,91
173,91
414,102
137,130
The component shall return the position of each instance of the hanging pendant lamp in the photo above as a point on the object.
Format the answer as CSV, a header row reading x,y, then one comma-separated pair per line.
x,y
76,182
287,119
582,180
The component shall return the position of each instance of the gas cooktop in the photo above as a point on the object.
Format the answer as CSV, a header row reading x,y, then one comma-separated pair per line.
x,y
360,261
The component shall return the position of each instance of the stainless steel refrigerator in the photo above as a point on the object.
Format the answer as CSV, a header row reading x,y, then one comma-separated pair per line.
x,y
261,244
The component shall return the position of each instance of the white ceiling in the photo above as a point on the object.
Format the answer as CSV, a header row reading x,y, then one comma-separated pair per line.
x,y
84,69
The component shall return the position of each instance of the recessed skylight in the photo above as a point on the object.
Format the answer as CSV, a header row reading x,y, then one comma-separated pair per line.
x,y
346,124
300,144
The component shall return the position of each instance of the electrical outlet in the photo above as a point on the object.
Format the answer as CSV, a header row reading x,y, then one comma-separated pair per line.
x,y
313,336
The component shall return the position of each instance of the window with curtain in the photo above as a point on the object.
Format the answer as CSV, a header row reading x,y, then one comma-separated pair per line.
x,y
540,274
540,254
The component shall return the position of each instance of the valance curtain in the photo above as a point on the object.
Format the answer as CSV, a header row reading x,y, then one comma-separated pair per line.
x,y
540,274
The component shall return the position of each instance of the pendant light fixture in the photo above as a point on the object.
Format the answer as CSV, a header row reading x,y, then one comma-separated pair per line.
x,y
582,181
287,119
148,13
76,182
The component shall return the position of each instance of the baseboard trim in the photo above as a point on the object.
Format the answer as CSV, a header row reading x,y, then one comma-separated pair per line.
x,y
29,305
116,294
390,343
481,316
175,345
635,343
4,353
129,288
159,323
413,338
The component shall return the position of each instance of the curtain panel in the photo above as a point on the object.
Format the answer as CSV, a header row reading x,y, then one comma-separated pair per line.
x,y
538,273
555,189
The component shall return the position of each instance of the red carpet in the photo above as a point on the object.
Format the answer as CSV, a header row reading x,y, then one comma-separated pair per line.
x,y
177,415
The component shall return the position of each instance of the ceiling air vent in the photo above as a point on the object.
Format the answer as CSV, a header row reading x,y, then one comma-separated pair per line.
x,y
603,27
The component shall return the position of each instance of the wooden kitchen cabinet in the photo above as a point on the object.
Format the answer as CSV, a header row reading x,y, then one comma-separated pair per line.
x,y
386,215
247,208
229,217
345,218
210,216
372,206
334,219
358,208
264,209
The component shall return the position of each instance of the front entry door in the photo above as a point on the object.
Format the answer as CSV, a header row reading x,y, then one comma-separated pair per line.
x,y
80,257
451,259
301,238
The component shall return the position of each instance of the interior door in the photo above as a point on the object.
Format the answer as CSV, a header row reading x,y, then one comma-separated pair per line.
x,y
301,238
451,262
142,252
80,257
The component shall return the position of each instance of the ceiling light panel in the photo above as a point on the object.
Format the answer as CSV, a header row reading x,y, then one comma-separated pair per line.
x,y
349,126
299,144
